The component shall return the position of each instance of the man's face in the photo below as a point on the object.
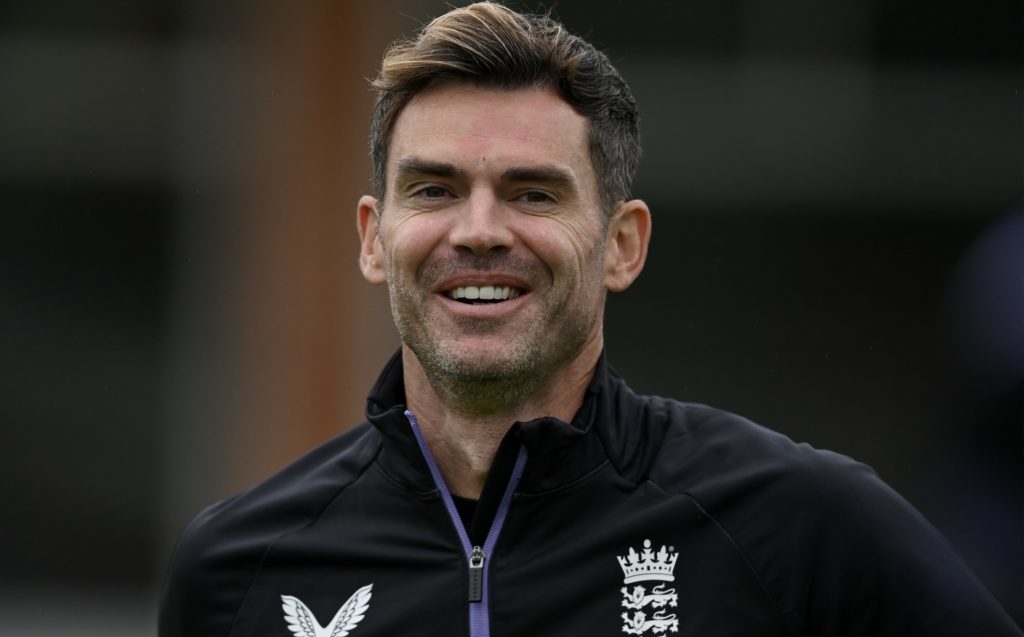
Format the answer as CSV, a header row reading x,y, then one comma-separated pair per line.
x,y
490,238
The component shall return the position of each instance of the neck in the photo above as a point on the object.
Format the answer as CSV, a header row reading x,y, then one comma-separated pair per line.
x,y
464,428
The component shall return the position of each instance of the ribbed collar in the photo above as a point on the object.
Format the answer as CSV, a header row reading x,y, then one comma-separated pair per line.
x,y
558,452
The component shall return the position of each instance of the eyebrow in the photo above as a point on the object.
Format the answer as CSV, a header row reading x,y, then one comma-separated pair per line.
x,y
552,175
409,166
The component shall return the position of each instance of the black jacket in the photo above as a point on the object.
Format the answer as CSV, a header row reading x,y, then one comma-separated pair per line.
x,y
643,516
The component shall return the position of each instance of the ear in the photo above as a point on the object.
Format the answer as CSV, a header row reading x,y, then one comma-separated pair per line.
x,y
629,232
371,251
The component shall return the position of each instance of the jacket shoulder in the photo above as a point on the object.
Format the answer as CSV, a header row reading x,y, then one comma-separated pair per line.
x,y
710,453
690,447
221,550
836,548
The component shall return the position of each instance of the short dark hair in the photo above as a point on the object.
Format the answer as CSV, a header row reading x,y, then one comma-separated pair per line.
x,y
491,46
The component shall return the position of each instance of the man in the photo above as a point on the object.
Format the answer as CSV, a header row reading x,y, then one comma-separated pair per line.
x,y
507,482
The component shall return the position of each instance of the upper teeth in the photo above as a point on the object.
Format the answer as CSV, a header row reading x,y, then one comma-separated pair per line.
x,y
485,292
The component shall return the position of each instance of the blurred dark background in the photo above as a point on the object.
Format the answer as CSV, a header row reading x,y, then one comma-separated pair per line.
x,y
838,191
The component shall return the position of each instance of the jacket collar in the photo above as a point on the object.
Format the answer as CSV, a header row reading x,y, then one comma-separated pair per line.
x,y
558,452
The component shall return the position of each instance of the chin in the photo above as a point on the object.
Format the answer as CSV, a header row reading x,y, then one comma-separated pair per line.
x,y
485,368
464,363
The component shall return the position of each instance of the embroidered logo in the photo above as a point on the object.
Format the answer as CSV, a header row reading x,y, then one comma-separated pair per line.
x,y
648,566
302,623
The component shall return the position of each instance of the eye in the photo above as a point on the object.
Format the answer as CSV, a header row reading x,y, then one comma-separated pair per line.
x,y
536,197
431,192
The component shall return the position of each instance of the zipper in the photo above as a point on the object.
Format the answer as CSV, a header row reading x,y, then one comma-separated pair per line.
x,y
476,574
476,556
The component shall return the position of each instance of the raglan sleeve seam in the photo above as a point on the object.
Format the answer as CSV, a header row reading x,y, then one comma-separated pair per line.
x,y
780,616
282,536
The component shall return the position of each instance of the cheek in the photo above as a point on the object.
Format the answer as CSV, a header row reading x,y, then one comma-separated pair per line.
x,y
575,263
585,247
408,244
566,235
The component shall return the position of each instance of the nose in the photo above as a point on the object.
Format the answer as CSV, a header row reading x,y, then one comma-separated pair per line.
x,y
482,224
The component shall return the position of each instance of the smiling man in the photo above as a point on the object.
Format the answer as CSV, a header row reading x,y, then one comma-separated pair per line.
x,y
497,252
507,481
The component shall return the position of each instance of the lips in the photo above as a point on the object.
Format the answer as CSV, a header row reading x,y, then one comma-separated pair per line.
x,y
479,282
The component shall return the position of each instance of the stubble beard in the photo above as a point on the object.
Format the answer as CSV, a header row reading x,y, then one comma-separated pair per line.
x,y
498,383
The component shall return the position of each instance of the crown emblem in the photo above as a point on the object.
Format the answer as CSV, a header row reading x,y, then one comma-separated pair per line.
x,y
648,565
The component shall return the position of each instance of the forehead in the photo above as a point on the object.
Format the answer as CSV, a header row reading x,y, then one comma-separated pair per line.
x,y
479,128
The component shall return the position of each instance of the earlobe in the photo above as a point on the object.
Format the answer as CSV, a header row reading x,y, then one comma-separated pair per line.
x,y
629,234
371,260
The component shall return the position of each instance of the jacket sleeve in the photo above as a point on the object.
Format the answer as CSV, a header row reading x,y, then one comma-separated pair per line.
x,y
923,586
221,552
869,564
205,582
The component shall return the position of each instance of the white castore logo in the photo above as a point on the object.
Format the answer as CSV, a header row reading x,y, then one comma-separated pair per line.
x,y
302,623
648,566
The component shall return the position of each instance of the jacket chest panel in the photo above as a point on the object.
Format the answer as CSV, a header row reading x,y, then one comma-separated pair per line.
x,y
405,586
614,563
386,560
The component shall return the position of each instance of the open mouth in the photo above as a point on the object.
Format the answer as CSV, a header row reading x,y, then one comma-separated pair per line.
x,y
483,294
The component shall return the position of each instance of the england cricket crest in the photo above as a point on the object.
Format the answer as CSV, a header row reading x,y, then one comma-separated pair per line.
x,y
647,603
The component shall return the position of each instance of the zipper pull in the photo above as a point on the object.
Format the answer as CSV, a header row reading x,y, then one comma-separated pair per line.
x,y
476,575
